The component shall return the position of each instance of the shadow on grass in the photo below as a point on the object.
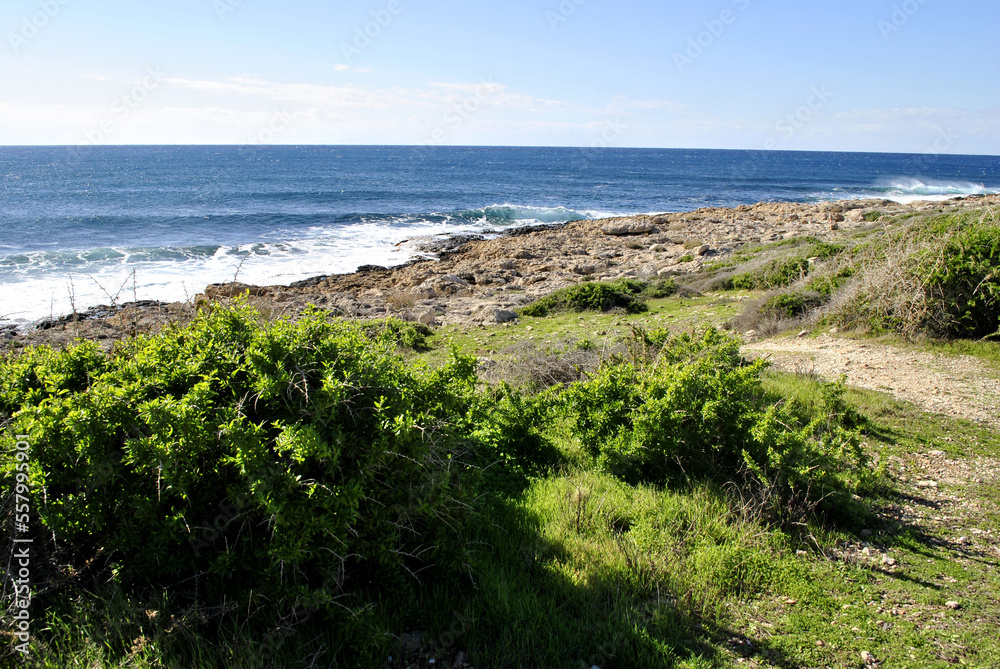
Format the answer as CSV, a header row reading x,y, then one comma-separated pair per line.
x,y
530,614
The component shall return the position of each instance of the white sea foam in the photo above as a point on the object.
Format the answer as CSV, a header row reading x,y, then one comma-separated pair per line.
x,y
50,284
910,189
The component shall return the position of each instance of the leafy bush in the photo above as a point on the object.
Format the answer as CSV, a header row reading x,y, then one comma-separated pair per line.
x,y
591,296
786,269
660,288
791,304
696,411
873,216
509,428
626,294
939,276
271,464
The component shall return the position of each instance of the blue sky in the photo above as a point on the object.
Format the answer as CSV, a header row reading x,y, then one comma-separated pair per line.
x,y
856,75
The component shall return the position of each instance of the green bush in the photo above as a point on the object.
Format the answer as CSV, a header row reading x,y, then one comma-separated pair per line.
x,y
275,465
785,269
873,216
962,278
591,296
509,428
791,304
696,411
938,276
655,290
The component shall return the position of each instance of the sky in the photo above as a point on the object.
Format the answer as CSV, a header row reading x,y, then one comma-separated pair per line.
x,y
910,76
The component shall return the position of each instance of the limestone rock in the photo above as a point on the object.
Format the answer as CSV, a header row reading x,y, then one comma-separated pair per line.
x,y
628,229
217,290
496,315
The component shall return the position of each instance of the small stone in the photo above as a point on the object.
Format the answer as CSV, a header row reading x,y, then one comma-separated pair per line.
x,y
953,605
820,644
888,561
804,333
835,226
834,330
867,657
426,318
927,484
936,454
791,602
866,551
801,553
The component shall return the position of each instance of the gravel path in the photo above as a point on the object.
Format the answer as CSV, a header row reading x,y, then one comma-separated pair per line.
x,y
961,387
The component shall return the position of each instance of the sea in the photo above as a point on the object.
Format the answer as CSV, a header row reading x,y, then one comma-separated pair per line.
x,y
87,226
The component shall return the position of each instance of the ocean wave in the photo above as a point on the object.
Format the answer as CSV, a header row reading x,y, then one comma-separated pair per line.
x,y
513,214
911,188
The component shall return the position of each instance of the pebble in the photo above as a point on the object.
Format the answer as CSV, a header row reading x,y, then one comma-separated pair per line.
x,y
888,561
867,657
953,605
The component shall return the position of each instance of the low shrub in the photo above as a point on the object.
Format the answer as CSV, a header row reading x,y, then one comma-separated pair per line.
x,y
591,296
938,276
791,261
790,305
696,411
272,465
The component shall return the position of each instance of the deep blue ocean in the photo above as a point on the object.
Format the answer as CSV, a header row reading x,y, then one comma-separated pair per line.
x,y
82,226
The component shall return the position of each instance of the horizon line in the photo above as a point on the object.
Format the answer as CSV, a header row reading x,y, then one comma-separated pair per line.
x,y
86,146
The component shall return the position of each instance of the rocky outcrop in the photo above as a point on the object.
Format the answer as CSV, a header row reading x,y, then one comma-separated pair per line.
x,y
478,280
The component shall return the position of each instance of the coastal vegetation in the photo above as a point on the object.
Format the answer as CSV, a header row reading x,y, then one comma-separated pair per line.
x,y
928,276
609,482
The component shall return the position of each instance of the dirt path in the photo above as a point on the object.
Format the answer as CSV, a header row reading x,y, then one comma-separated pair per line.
x,y
960,387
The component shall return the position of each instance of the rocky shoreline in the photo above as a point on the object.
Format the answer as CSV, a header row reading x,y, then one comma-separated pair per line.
x,y
479,280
